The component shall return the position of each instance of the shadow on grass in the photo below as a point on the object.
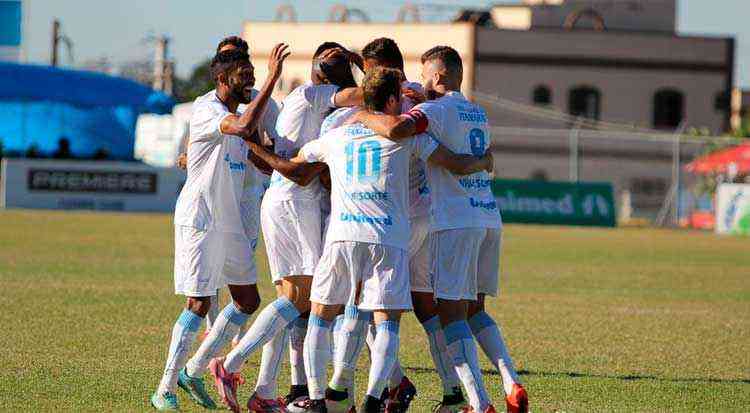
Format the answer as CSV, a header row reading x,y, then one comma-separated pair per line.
x,y
575,375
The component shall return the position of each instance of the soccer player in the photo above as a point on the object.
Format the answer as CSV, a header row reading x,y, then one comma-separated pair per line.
x,y
291,222
465,218
210,243
365,263
384,52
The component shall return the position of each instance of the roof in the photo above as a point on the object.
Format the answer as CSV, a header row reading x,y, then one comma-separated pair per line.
x,y
22,82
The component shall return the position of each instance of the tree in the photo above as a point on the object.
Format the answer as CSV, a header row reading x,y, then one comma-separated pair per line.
x,y
198,84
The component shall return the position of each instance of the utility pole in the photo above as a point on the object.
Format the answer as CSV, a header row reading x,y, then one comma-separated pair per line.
x,y
55,41
162,66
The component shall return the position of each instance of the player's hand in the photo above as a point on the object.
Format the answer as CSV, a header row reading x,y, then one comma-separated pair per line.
x,y
489,161
414,95
182,161
276,61
354,118
329,53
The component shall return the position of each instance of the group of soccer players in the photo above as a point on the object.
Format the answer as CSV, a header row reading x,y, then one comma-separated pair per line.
x,y
378,203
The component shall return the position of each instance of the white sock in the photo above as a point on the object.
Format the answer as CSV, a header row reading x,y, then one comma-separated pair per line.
x,y
297,333
213,311
317,352
270,361
274,318
463,351
227,323
384,353
183,335
397,375
440,357
349,337
490,338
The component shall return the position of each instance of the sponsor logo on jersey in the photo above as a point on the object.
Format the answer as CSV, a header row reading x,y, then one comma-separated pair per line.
x,y
474,183
361,218
234,166
489,205
368,196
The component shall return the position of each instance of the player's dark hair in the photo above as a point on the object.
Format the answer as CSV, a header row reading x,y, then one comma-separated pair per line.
x,y
338,71
235,41
385,51
325,46
380,84
226,61
448,56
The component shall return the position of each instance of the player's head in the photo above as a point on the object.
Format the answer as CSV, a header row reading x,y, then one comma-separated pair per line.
x,y
233,71
442,71
382,90
230,43
334,69
382,52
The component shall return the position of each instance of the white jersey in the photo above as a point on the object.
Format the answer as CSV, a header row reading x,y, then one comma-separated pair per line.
x,y
210,199
459,201
256,182
369,183
302,113
419,192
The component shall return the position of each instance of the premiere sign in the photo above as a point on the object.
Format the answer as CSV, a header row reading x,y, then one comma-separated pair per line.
x,y
733,209
96,185
92,181
558,203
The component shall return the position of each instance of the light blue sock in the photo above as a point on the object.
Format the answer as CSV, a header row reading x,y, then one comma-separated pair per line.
x,y
491,340
183,335
317,353
440,357
274,318
384,354
349,337
270,361
463,351
297,333
225,327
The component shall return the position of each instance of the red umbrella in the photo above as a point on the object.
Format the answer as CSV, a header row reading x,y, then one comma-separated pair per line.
x,y
721,160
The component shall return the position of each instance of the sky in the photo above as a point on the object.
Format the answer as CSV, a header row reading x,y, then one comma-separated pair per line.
x,y
118,29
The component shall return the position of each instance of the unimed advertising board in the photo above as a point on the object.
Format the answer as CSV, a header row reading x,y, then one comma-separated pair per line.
x,y
558,203
112,186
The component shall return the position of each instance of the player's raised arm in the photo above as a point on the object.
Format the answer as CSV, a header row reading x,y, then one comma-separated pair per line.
x,y
297,169
248,122
461,164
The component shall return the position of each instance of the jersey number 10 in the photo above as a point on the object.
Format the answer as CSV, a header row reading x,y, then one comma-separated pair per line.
x,y
366,156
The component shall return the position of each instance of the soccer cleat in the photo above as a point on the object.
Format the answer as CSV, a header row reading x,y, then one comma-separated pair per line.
x,y
195,388
400,398
165,402
517,401
372,405
488,409
308,405
338,401
226,384
257,404
452,403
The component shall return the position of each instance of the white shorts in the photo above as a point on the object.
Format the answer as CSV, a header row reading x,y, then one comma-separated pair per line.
x,y
205,261
382,270
466,262
292,233
419,254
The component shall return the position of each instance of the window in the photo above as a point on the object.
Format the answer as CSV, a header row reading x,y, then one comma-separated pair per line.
x,y
668,109
542,96
722,102
585,101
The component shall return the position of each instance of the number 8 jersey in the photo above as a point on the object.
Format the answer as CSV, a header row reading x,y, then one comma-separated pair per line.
x,y
369,183
461,126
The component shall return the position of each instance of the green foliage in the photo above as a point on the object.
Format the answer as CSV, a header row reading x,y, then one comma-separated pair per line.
x,y
597,320
199,83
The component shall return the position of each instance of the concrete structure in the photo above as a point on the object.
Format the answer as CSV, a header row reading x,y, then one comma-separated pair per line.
x,y
556,63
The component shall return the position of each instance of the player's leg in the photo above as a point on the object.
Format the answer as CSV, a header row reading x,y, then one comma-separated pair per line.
x,y
386,292
197,271
349,336
333,286
486,331
267,384
297,332
212,314
455,286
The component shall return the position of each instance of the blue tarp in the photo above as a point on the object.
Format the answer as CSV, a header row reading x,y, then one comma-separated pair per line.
x,y
39,105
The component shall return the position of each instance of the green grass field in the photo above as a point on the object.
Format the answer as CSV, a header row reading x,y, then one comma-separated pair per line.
x,y
596,319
